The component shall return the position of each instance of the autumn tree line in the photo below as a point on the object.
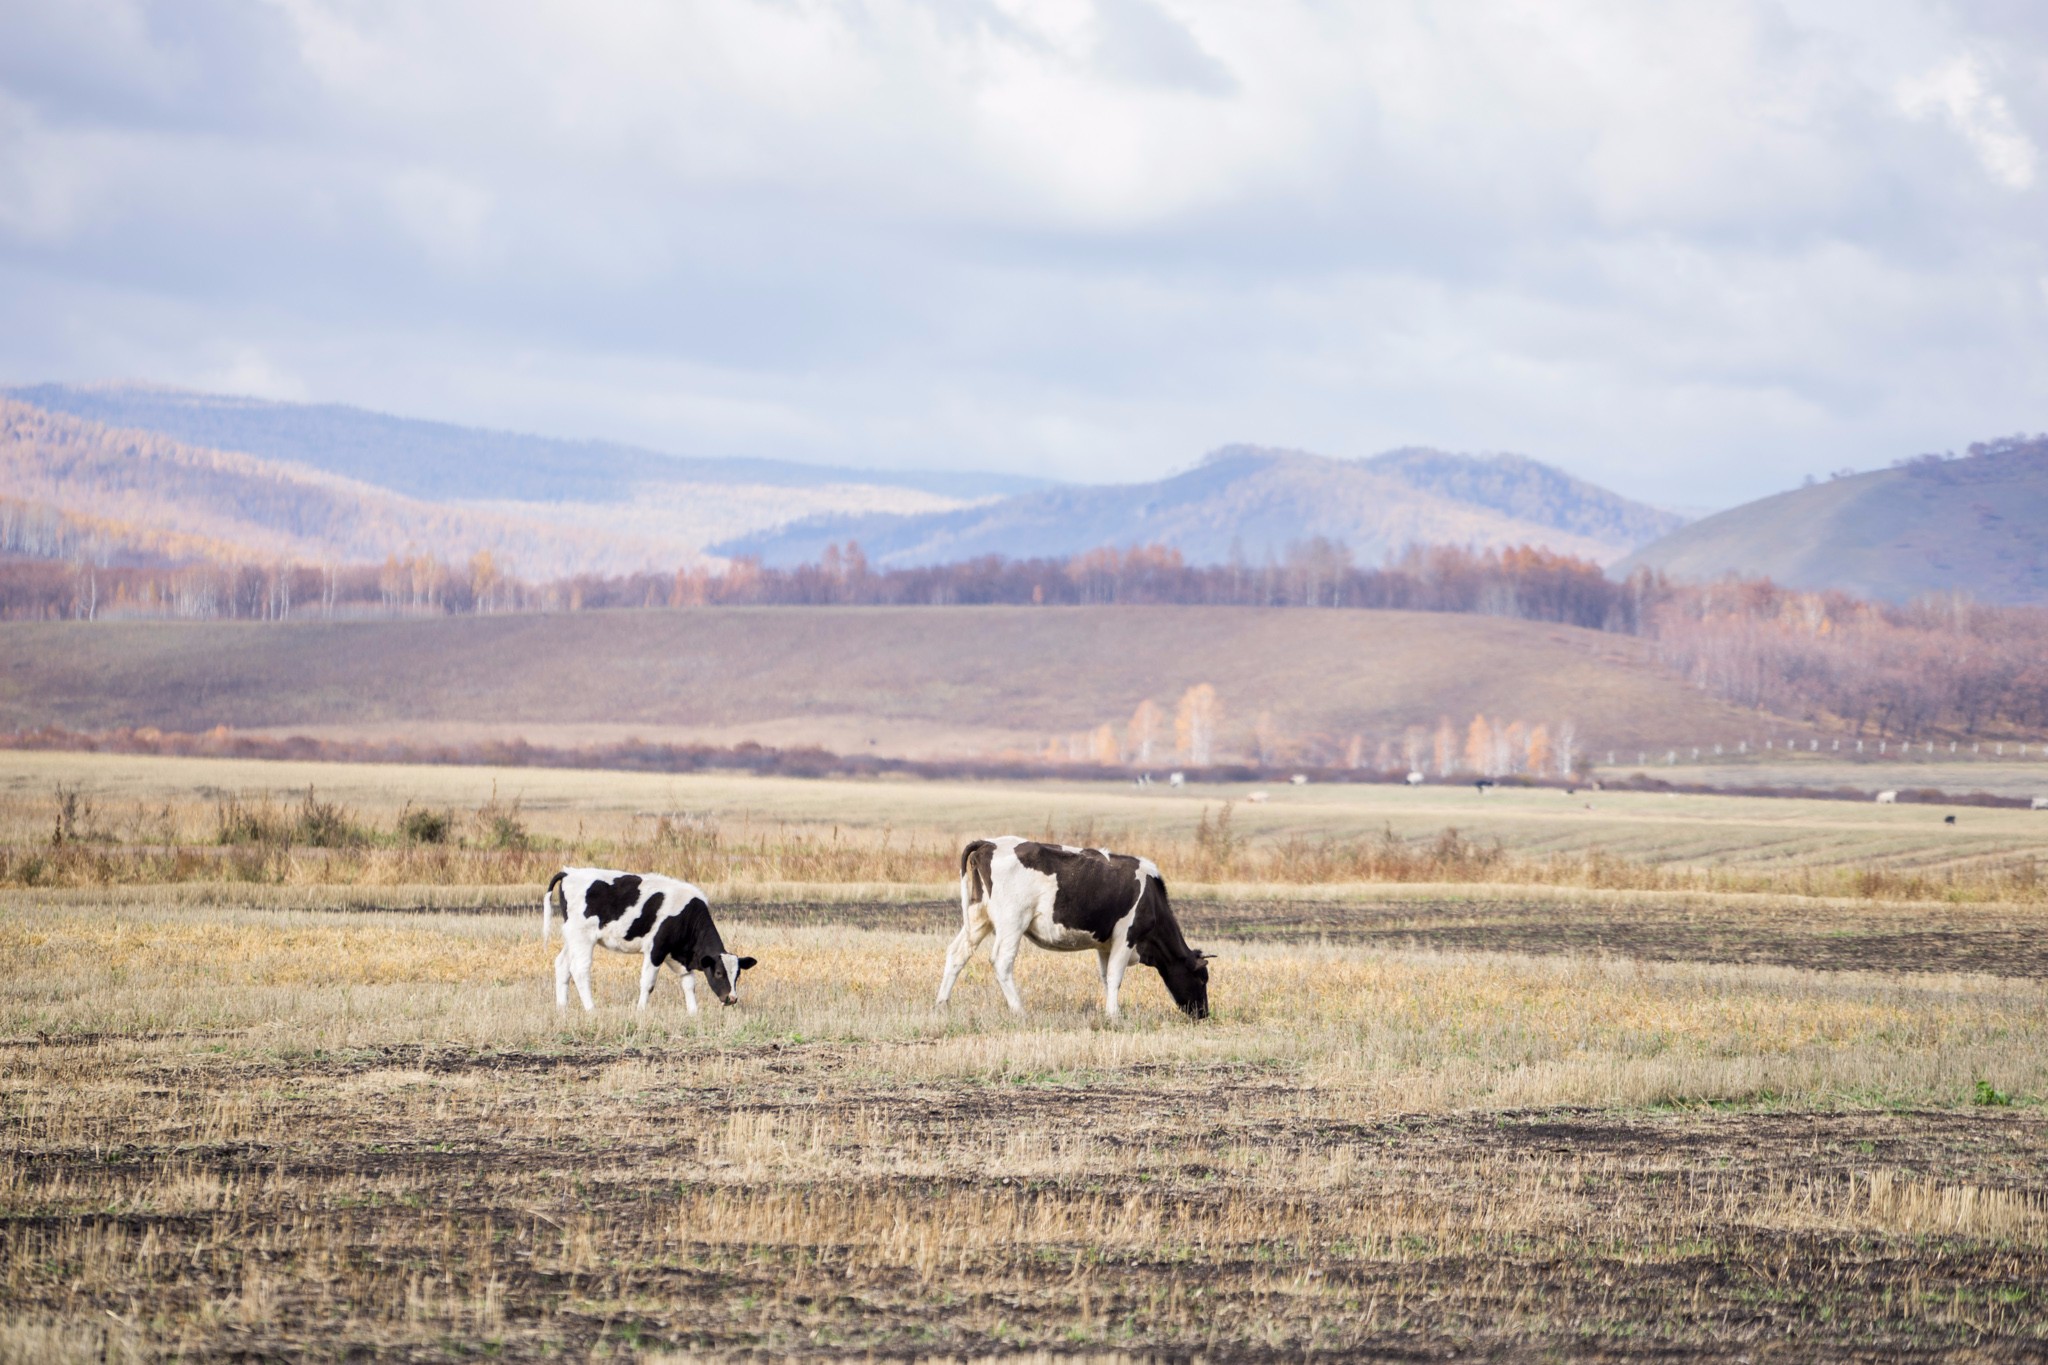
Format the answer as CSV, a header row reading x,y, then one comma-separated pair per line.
x,y
1198,734
1942,666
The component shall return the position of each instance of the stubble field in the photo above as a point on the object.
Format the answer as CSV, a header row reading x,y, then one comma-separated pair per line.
x,y
281,1116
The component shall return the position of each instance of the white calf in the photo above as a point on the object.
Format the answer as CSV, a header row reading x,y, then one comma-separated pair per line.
x,y
665,920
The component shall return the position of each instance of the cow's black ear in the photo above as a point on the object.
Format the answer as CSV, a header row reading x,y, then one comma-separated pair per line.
x,y
706,962
746,963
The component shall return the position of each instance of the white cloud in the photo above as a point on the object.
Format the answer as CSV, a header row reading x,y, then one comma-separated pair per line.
x,y
1955,92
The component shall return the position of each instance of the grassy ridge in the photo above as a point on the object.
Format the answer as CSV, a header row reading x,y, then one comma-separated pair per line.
x,y
917,680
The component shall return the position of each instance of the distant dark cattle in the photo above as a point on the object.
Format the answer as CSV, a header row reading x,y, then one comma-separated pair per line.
x,y
1484,785
664,920
1948,819
1069,899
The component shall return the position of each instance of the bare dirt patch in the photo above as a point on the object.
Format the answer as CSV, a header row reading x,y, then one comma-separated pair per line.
x,y
545,1211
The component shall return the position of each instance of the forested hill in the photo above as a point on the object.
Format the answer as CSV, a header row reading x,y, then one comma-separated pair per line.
x,y
1530,491
1250,503
1976,525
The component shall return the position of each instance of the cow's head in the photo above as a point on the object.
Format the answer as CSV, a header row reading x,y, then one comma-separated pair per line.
x,y
722,974
1187,981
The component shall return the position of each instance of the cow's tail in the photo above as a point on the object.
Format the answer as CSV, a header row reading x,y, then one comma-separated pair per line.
x,y
975,875
547,905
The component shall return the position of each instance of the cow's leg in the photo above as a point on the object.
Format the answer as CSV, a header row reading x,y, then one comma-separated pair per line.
x,y
690,989
1007,944
579,969
562,978
964,943
1115,963
648,973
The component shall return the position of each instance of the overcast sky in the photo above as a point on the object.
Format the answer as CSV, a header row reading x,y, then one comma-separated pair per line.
x,y
1694,251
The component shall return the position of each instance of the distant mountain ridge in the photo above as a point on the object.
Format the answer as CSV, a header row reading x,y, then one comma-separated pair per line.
x,y
131,470
1245,502
439,461
1975,525
1528,490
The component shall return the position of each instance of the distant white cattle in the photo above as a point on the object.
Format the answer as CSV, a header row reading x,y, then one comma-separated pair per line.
x,y
2040,803
1887,798
1415,779
1257,796
1176,779
1298,780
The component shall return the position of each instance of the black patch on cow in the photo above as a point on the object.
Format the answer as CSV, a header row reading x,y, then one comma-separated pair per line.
x,y
1094,890
644,921
686,936
606,901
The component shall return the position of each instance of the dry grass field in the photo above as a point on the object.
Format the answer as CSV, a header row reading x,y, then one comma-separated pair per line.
x,y
314,1100
918,681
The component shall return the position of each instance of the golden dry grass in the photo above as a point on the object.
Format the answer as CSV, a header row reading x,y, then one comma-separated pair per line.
x,y
235,1130
157,820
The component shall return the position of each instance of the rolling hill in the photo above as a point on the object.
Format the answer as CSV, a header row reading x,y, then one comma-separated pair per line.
x,y
901,681
130,470
75,486
441,462
1248,503
1976,525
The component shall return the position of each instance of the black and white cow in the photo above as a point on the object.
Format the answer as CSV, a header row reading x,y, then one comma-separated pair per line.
x,y
665,920
1069,899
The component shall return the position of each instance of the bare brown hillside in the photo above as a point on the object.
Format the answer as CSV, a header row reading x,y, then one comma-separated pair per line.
x,y
916,681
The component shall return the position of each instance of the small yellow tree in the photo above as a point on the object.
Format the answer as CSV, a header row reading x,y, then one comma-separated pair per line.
x,y
483,580
1102,746
1195,722
1539,749
1147,723
1479,746
1446,747
1512,744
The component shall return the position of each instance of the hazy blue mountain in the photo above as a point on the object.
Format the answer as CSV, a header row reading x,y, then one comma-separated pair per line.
x,y
1977,525
1528,490
1251,502
438,461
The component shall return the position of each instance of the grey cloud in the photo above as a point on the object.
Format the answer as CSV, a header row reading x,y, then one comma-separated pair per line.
x,y
1694,255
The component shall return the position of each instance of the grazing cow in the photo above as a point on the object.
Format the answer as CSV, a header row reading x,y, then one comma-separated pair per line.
x,y
1415,779
1176,779
1256,797
1948,819
1068,899
1298,780
1887,798
664,920
1484,785
2040,803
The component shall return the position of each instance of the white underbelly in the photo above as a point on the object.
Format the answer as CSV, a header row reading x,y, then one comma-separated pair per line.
x,y
1046,934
